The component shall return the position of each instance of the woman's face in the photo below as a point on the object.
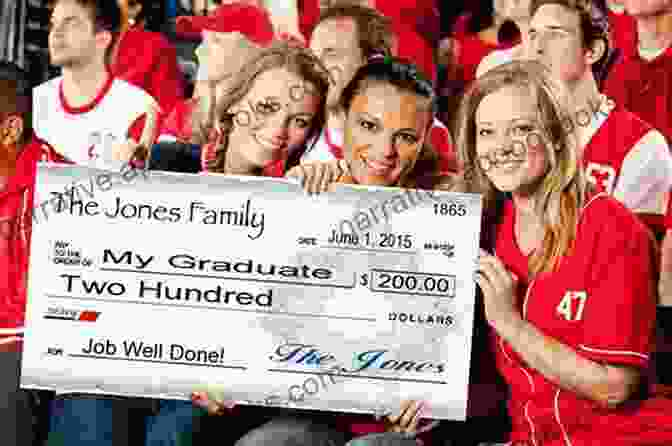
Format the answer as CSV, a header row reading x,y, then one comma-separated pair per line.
x,y
275,116
384,132
508,145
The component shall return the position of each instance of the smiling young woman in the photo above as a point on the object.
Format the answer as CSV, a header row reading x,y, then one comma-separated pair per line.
x,y
389,109
569,291
275,103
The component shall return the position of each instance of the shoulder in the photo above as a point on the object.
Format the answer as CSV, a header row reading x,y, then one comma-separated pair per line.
x,y
48,86
124,90
604,216
146,39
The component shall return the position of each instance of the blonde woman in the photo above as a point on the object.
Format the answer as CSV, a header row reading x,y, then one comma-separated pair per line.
x,y
275,103
569,291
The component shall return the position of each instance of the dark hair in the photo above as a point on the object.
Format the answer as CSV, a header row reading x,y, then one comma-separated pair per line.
x,y
105,16
405,76
18,82
374,30
481,16
594,24
399,72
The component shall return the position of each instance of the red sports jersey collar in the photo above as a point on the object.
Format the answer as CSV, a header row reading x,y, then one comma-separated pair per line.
x,y
91,105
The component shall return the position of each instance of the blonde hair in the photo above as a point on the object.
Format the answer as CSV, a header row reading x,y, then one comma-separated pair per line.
x,y
296,60
562,192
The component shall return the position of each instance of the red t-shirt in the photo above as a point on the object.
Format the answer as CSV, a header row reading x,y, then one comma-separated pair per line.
x,y
644,88
600,302
148,61
623,32
16,210
471,49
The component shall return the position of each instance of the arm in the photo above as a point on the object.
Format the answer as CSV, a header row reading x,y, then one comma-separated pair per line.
x,y
605,384
616,319
646,178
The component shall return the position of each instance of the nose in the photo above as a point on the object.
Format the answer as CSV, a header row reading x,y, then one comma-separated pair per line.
x,y
536,43
278,128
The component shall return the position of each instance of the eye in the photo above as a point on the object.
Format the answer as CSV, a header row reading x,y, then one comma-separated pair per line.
x,y
523,129
485,132
407,138
368,125
302,123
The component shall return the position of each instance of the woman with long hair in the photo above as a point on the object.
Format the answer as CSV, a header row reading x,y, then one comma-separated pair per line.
x,y
273,105
568,287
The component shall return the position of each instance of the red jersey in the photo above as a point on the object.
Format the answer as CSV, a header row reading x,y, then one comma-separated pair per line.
x,y
148,61
16,206
471,49
623,32
644,88
600,302
630,160
178,123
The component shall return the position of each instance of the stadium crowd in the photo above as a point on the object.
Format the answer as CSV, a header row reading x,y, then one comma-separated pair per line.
x,y
559,112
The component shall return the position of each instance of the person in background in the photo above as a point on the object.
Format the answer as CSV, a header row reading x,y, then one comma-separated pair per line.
x,y
494,26
642,82
623,155
19,153
345,38
146,59
87,115
298,18
569,289
231,36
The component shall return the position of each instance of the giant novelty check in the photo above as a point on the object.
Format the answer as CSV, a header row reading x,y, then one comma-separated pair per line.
x,y
351,301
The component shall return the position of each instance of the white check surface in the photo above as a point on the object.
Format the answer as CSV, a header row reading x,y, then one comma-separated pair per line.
x,y
247,287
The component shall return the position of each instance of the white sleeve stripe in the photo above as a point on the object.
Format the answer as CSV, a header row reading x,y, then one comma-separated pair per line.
x,y
10,340
613,352
166,138
7,331
646,175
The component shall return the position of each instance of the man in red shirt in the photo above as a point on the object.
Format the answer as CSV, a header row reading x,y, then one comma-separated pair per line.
x,y
642,82
147,59
19,153
623,155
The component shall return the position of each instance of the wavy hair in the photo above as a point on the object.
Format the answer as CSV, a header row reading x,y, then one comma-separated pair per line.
x,y
296,60
562,192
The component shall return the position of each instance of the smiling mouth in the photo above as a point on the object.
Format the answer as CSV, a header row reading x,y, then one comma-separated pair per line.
x,y
275,148
378,168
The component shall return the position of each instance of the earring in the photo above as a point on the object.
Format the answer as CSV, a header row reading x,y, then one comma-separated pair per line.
x,y
131,22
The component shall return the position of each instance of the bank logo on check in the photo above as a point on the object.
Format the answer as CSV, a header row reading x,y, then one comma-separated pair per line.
x,y
66,314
